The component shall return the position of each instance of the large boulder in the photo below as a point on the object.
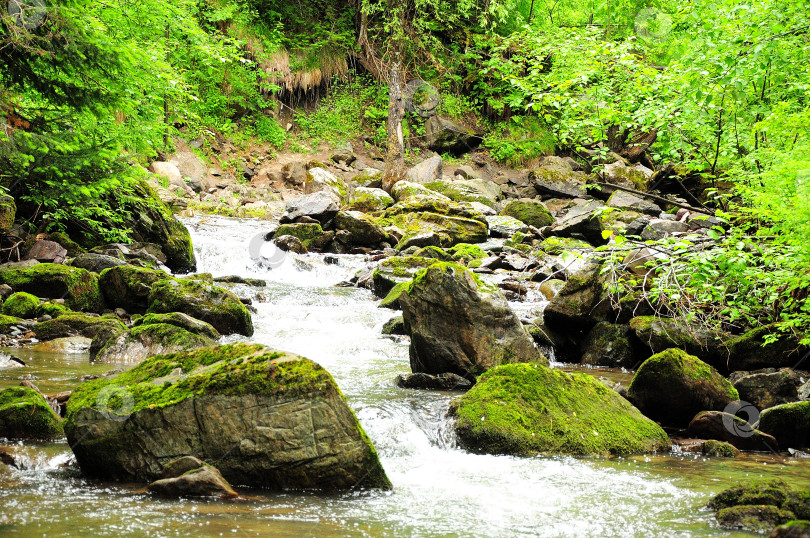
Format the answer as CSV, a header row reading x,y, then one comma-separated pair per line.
x,y
78,287
767,388
749,351
445,136
555,177
24,414
128,287
149,220
461,325
526,409
45,251
582,302
788,423
321,206
184,321
659,333
322,180
505,226
267,418
581,222
531,212
204,301
311,235
625,200
673,386
397,270
96,263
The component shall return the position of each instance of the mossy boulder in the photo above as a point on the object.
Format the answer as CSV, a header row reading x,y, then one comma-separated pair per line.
x,y
468,190
128,286
143,341
78,287
608,344
451,230
465,253
554,246
21,305
77,324
150,220
460,324
392,299
788,423
311,235
659,333
403,191
396,270
434,253
760,507
369,200
204,301
531,212
362,229
749,352
267,418
53,309
671,387
527,409
184,321
24,414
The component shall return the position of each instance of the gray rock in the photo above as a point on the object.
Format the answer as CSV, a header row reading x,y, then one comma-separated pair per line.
x,y
445,136
555,177
344,154
139,343
767,388
425,239
460,325
609,345
505,226
96,262
625,200
731,429
660,228
425,172
362,230
290,243
47,252
581,223
322,206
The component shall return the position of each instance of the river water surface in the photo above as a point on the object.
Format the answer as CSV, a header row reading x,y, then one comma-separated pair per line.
x,y
439,489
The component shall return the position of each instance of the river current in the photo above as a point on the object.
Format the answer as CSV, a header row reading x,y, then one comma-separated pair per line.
x,y
439,489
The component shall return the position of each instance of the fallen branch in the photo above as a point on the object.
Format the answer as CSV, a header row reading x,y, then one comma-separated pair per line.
x,y
658,198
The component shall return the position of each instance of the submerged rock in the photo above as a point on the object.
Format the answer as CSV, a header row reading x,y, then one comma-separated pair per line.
x,y
461,325
190,477
526,409
445,381
24,414
267,418
760,507
673,386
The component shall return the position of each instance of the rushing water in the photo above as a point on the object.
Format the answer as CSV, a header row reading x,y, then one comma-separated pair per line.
x,y
439,489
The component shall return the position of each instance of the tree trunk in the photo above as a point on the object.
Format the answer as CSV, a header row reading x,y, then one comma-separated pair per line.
x,y
395,158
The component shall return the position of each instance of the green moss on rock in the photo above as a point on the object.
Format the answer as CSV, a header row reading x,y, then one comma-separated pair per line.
x,y
311,234
21,305
217,306
128,287
466,253
77,324
527,409
78,287
529,212
673,386
179,319
719,449
788,423
24,414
